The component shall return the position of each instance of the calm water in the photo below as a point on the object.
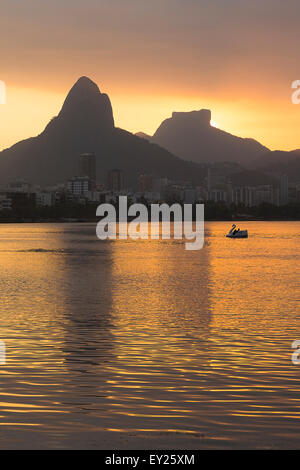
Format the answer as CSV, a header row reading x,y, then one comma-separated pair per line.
x,y
112,342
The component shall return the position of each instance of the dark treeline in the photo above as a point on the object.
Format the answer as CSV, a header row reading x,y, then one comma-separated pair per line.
x,y
87,212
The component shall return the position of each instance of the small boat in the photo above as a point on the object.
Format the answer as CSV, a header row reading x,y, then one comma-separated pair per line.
x,y
237,233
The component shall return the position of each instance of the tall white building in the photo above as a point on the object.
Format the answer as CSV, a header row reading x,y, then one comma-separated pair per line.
x,y
284,190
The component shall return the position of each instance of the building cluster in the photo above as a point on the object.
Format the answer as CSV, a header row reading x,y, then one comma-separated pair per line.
x,y
281,194
83,189
217,188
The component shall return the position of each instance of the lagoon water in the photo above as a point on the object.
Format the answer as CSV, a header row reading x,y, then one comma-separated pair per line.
x,y
132,344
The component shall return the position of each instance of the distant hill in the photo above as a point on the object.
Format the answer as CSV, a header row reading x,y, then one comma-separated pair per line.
x,y
252,178
278,162
86,124
190,136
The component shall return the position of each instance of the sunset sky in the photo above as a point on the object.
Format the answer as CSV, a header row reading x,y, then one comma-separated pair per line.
x,y
236,57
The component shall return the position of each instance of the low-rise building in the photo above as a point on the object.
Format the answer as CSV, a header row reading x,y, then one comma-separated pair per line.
x,y
264,194
5,203
243,195
44,199
79,185
217,195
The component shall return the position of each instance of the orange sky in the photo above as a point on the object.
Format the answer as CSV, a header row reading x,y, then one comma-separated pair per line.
x,y
237,58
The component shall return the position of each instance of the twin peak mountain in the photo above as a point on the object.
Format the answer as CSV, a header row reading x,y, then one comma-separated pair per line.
x,y
86,124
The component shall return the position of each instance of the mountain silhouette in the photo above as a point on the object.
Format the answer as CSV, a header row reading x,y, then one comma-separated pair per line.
x,y
86,124
190,136
143,135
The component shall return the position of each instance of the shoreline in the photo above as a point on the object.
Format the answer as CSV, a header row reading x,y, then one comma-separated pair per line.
x,y
130,219
135,440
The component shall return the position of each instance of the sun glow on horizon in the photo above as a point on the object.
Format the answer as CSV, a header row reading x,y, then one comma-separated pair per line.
x,y
214,124
28,111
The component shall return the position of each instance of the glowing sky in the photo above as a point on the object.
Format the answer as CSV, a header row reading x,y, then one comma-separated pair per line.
x,y
236,57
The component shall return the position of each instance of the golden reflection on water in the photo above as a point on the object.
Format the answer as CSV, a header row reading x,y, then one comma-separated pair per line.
x,y
147,337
